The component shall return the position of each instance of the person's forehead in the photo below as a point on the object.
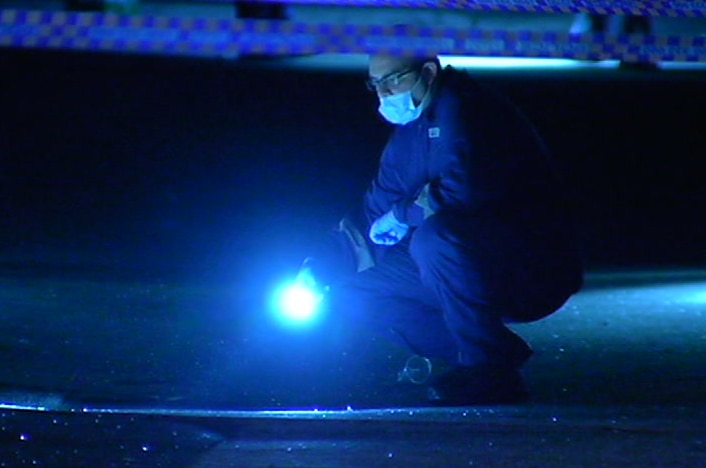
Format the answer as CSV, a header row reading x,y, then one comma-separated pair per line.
x,y
381,65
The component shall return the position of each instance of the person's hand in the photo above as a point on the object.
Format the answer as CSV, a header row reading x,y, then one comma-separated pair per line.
x,y
360,248
387,230
306,276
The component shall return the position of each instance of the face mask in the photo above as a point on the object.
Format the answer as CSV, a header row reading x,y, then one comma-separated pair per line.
x,y
400,108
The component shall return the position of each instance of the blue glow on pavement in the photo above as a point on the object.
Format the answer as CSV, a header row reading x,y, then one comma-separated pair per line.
x,y
676,294
680,290
695,294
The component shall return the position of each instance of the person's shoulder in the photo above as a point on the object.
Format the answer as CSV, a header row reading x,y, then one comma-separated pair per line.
x,y
456,80
456,91
457,87
463,87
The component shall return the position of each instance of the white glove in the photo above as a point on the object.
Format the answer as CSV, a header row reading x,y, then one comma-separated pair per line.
x,y
386,230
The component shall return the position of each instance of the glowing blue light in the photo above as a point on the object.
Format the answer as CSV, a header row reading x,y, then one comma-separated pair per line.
x,y
297,304
360,61
522,62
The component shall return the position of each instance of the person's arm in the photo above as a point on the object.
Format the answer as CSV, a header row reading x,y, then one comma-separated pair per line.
x,y
451,190
385,190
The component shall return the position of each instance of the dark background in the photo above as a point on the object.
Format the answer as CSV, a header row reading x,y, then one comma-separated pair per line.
x,y
200,167
172,171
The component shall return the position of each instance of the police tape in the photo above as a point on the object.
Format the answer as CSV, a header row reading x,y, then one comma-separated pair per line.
x,y
672,8
231,38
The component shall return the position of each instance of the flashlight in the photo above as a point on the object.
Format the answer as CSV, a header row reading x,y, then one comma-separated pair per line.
x,y
299,301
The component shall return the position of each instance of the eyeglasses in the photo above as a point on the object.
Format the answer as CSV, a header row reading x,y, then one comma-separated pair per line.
x,y
390,81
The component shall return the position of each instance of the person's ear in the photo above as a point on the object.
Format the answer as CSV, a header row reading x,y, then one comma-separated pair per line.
x,y
429,72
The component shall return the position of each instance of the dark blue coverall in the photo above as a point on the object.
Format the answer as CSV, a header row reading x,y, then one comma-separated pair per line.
x,y
500,247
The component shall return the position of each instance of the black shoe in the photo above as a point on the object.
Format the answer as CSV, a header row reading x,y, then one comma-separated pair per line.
x,y
468,386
